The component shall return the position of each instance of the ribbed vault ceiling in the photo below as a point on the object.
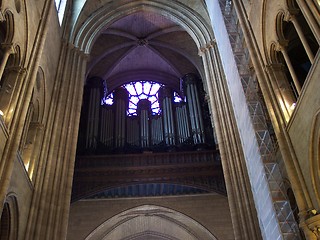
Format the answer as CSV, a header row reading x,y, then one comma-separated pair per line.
x,y
143,46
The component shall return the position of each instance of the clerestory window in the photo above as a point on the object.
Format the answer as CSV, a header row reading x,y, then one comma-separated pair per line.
x,y
60,6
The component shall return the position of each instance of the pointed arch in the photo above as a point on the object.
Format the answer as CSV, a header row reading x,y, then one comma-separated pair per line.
x,y
180,14
9,218
150,220
9,22
279,27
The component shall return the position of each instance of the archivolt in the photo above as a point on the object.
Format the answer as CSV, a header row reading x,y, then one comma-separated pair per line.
x,y
177,12
150,220
315,156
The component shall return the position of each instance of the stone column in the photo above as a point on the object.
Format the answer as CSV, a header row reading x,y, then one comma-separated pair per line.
x,y
241,202
291,163
282,48
310,9
282,89
51,201
20,112
292,18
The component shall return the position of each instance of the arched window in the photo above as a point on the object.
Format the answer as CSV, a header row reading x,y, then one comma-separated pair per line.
x,y
9,219
142,90
61,6
5,223
297,45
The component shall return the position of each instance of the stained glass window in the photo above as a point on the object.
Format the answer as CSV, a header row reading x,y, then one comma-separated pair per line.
x,y
142,90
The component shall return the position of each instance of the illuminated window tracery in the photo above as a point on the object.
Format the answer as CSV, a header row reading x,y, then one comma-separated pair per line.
x,y
142,90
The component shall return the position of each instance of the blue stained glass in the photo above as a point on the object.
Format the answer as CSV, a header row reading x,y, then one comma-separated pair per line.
x,y
138,87
142,90
147,88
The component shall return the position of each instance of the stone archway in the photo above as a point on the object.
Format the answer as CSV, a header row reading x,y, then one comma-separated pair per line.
x,y
83,36
150,222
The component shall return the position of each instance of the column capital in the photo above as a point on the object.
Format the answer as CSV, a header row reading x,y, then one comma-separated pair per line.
x,y
71,47
189,78
2,18
18,69
274,67
8,47
311,227
207,47
281,45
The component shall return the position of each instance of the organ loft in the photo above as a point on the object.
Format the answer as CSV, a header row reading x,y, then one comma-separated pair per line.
x,y
171,129
159,120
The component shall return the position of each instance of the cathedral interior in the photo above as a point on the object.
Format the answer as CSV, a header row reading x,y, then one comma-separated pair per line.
x,y
159,119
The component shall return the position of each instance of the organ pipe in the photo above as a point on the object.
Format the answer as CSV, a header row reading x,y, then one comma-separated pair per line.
x,y
182,122
144,111
121,102
165,95
156,130
194,107
133,131
113,128
94,89
106,126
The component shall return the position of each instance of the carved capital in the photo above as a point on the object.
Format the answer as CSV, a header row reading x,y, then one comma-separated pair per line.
x,y
290,15
311,226
294,11
281,45
2,18
207,47
275,67
16,69
8,47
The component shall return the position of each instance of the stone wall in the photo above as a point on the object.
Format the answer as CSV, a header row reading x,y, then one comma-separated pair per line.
x,y
210,210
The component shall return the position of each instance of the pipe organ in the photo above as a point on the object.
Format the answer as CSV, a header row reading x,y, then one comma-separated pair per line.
x,y
156,130
144,111
183,126
167,115
93,102
179,124
121,97
194,108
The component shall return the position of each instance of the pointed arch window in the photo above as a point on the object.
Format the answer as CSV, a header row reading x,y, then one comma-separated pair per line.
x,y
60,6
